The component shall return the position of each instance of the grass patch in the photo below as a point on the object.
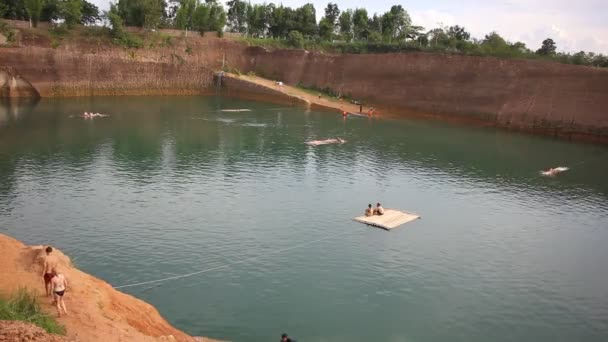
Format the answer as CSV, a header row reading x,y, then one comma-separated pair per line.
x,y
24,306
7,31
325,92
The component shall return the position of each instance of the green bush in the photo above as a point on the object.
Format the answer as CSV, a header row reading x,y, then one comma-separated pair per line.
x,y
24,306
6,31
295,39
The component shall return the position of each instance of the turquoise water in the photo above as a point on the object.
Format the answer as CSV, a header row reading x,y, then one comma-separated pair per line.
x,y
169,186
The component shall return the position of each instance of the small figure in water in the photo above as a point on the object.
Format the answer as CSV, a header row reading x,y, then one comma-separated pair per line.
x,y
552,172
379,210
60,284
285,338
369,211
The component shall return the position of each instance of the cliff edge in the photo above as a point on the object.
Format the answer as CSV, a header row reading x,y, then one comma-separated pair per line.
x,y
97,312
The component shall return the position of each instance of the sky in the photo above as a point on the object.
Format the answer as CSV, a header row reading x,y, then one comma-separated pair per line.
x,y
573,25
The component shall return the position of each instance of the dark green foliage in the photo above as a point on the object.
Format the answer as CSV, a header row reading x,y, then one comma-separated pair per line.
x,y
237,16
23,306
548,48
34,10
3,9
295,39
14,9
70,11
119,35
142,13
6,30
346,25
90,13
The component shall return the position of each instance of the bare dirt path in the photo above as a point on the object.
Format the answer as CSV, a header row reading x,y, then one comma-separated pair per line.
x,y
314,99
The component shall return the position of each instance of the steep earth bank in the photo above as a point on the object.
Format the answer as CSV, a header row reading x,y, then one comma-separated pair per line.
x,y
547,98
97,312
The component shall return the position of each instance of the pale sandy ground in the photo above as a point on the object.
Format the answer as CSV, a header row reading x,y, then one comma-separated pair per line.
x,y
310,97
96,311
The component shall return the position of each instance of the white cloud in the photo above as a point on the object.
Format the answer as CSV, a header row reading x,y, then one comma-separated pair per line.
x,y
432,18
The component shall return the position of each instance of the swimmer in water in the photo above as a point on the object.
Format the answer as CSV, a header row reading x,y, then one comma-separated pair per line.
x,y
552,172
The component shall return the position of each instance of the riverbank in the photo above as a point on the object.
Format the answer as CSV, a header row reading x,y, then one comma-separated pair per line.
x,y
97,312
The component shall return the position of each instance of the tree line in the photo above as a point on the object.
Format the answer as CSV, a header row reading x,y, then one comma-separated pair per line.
x,y
70,12
347,31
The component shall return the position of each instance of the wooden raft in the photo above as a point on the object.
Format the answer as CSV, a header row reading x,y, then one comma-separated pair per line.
x,y
391,219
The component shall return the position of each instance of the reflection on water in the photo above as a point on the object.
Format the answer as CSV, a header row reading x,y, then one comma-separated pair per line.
x,y
168,186
12,109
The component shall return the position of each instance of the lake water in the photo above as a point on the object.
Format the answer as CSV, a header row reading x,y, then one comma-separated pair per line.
x,y
167,186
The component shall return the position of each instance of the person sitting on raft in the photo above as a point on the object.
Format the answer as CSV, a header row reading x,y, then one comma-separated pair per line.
x,y
369,211
379,210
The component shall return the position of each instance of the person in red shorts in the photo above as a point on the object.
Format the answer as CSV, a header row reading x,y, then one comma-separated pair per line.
x,y
49,265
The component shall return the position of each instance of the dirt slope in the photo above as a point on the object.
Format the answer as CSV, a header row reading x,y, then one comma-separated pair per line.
x,y
16,331
97,312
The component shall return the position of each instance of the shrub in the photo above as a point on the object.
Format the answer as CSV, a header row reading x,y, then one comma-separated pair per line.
x,y
295,39
24,306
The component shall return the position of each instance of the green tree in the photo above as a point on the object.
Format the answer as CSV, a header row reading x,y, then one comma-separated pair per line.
x,y
332,12
237,16
346,25
548,48
360,22
375,25
295,39
116,21
258,19
374,37
306,20
327,25
395,23
326,29
581,58
184,14
70,11
210,16
3,9
458,33
34,10
14,9
141,13
90,13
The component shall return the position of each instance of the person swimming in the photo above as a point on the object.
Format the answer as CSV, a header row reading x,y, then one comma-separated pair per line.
x,y
554,171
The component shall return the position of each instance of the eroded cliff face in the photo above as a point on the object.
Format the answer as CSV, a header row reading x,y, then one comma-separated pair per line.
x,y
12,85
552,98
66,73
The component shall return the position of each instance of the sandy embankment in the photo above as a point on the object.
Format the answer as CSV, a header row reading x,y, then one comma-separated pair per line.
x,y
97,312
300,96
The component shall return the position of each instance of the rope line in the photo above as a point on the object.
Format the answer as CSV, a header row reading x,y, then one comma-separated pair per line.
x,y
233,263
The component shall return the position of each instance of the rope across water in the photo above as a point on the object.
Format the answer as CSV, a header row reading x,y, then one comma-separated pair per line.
x,y
233,263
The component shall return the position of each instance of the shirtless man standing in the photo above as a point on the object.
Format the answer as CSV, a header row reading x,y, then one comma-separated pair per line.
x,y
50,263
59,284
